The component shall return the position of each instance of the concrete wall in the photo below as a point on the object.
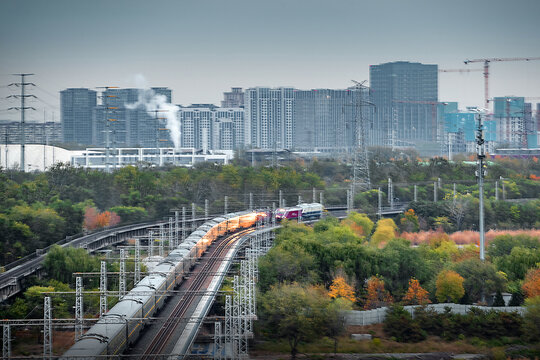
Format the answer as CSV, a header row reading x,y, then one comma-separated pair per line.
x,y
377,316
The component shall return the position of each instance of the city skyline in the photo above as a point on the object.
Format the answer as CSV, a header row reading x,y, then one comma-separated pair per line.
x,y
201,49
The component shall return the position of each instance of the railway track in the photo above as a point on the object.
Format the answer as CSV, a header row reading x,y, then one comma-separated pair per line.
x,y
198,281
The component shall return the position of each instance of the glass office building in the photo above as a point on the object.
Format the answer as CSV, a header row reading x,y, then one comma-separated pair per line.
x,y
406,99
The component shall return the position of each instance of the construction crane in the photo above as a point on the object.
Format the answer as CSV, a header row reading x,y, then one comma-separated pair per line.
x,y
460,70
486,71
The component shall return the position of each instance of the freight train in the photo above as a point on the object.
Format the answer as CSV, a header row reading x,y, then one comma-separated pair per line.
x,y
122,324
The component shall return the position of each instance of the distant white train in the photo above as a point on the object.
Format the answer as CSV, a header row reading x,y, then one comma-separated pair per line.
x,y
122,325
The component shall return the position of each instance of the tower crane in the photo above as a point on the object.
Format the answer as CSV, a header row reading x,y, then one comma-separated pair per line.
x,y
486,71
459,70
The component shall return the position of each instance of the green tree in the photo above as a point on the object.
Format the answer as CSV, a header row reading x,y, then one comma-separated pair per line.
x,y
399,262
61,262
294,312
516,264
44,222
481,278
130,213
286,264
14,234
335,323
503,244
400,324
498,300
531,323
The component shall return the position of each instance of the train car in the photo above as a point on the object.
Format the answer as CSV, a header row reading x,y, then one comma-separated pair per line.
x,y
311,211
291,213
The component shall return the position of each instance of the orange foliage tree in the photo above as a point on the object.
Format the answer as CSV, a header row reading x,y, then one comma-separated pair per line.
x,y
416,295
531,285
377,295
340,288
95,220
409,221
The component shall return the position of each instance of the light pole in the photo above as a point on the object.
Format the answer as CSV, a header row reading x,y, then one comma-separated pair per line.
x,y
480,173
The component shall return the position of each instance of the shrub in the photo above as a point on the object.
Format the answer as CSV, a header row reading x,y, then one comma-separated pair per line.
x,y
400,324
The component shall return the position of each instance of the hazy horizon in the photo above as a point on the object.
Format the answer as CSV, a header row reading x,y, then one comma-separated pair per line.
x,y
200,49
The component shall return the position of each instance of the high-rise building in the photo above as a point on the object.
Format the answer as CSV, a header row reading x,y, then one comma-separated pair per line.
x,y
324,119
132,123
229,129
510,114
35,133
406,99
269,117
207,127
233,98
76,106
460,130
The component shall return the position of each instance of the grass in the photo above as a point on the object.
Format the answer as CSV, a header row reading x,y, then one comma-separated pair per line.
x,y
379,344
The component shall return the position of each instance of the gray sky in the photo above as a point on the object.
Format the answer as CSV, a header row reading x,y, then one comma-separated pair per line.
x,y
201,48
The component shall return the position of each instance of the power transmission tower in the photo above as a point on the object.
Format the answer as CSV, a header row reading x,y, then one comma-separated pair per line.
x,y
229,325
158,121
6,342
78,308
361,177
171,235
193,213
122,279
22,108
218,344
137,276
47,328
161,240
150,244
103,289
106,107
183,223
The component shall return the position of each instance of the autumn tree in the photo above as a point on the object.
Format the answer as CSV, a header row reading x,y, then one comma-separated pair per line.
x,y
409,221
93,219
377,295
340,289
449,286
385,231
416,295
361,224
531,285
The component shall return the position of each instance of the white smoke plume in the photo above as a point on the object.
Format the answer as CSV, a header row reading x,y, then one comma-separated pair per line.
x,y
152,102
